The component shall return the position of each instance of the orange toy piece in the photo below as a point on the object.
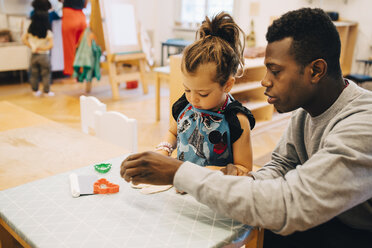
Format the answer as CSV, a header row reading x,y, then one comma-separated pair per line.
x,y
102,186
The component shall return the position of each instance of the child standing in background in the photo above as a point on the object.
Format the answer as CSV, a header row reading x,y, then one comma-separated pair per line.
x,y
39,38
210,128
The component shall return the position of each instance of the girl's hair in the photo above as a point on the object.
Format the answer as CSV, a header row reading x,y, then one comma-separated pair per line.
x,y
218,43
41,5
39,24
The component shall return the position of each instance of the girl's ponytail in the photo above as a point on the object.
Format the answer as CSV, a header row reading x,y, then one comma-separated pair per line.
x,y
219,42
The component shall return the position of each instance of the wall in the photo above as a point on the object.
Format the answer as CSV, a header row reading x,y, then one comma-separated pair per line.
x,y
18,7
348,10
162,24
157,17
353,10
267,9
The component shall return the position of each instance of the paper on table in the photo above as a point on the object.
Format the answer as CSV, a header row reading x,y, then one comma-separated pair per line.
x,y
138,186
155,189
82,184
150,189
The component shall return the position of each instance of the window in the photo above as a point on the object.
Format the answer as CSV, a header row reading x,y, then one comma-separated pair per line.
x,y
194,11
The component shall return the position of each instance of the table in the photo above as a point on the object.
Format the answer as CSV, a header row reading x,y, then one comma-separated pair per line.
x,y
178,43
36,206
33,147
12,116
35,152
44,214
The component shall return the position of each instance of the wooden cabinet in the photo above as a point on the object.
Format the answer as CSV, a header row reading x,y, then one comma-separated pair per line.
x,y
348,31
250,93
175,81
247,90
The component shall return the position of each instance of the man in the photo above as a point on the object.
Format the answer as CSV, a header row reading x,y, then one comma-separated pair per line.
x,y
317,189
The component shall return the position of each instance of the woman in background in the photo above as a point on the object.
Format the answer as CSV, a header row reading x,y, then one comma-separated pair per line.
x,y
73,25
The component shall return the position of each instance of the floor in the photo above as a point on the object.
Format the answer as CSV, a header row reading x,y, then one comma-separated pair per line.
x,y
64,108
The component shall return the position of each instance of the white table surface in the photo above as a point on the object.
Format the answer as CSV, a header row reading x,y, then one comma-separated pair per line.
x,y
44,214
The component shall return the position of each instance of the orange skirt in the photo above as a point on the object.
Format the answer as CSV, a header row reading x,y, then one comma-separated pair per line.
x,y
73,25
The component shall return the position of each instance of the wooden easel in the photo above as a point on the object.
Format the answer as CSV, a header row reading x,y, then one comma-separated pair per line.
x,y
115,59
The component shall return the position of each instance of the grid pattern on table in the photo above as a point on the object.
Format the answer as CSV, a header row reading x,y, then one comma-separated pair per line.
x,y
44,214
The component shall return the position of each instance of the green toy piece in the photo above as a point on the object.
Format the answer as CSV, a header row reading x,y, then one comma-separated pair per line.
x,y
102,168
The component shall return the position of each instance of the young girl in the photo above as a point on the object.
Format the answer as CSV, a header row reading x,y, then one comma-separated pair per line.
x,y
210,128
39,38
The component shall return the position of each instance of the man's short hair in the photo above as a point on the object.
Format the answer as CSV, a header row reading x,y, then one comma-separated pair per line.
x,y
314,37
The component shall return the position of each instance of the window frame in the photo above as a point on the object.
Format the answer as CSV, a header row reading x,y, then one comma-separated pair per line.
x,y
193,25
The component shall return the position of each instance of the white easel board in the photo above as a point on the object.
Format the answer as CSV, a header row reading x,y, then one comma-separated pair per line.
x,y
120,26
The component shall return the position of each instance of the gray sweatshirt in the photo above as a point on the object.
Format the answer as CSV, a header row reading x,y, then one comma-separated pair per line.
x,y
321,168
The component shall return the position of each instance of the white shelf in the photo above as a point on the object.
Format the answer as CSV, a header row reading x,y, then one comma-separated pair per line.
x,y
242,87
254,105
254,62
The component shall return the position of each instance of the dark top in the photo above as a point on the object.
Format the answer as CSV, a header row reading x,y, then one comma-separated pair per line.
x,y
74,4
230,113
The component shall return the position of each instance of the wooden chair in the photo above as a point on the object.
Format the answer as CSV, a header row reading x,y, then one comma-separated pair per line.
x,y
161,74
89,105
115,77
255,239
117,128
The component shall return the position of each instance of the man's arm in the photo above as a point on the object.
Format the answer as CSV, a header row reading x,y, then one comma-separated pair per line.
x,y
333,180
283,159
329,183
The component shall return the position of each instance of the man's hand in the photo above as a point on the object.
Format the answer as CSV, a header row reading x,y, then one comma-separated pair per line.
x,y
150,168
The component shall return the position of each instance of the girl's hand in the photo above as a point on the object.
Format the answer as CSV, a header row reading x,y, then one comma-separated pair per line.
x,y
235,170
165,153
180,192
213,167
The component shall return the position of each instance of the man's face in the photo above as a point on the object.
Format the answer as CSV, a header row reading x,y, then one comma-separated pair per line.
x,y
287,85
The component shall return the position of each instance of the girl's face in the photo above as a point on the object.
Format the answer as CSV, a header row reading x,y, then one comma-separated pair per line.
x,y
202,92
